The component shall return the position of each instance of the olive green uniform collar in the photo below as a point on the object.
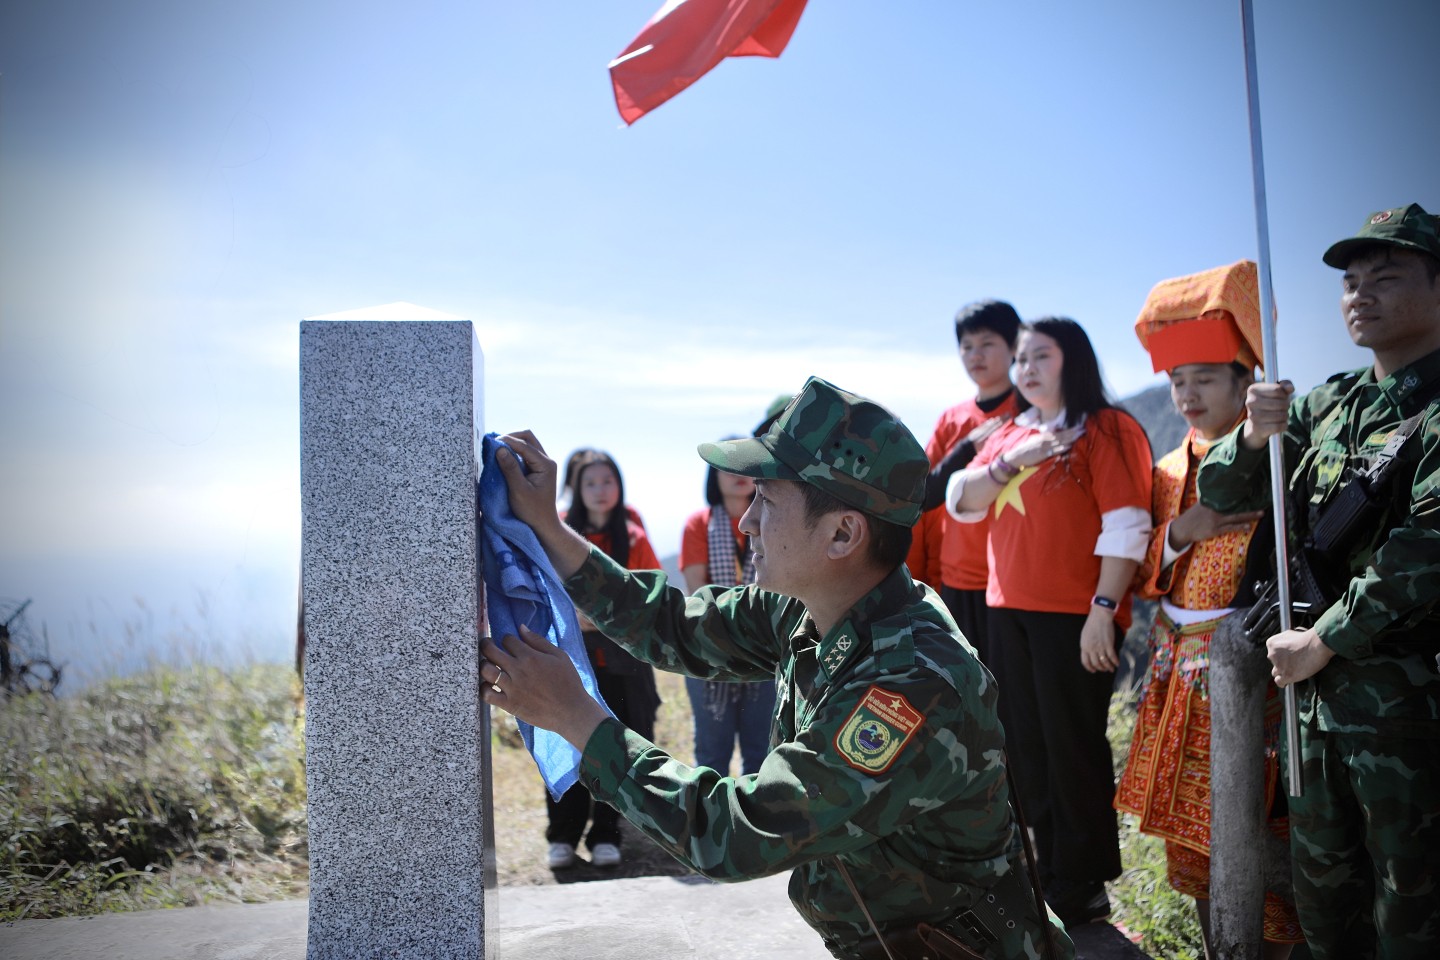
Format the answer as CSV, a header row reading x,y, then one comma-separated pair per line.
x,y
853,632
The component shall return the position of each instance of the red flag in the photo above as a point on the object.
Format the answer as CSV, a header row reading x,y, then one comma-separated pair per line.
x,y
687,38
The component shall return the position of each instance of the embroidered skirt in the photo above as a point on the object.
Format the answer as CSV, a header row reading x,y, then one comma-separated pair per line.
x,y
1166,784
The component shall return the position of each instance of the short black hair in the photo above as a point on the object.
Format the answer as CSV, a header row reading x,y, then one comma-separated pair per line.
x,y
1431,262
889,543
994,315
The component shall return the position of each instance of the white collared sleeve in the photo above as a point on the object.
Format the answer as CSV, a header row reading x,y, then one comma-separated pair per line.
x,y
954,490
1168,554
1124,533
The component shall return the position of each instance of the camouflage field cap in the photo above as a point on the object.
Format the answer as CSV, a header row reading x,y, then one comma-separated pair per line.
x,y
1408,227
852,448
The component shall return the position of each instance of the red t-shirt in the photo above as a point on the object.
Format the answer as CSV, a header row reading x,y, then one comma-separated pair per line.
x,y
642,555
1044,524
695,539
944,550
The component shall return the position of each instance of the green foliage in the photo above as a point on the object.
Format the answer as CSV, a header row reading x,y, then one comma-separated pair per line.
x,y
169,788
1144,903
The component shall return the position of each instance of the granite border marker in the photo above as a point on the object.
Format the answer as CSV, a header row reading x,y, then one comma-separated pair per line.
x,y
397,736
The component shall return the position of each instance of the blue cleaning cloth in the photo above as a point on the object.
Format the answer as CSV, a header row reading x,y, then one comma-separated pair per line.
x,y
522,587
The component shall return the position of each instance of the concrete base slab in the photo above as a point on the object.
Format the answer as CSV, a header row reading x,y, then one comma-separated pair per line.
x,y
678,918
684,918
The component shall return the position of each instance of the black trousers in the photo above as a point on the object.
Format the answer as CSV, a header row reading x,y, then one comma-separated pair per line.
x,y
628,688
1054,713
972,616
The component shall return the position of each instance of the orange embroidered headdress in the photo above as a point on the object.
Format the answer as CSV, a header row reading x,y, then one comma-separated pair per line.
x,y
1207,317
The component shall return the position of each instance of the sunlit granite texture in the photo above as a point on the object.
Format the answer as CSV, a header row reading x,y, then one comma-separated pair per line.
x,y
396,736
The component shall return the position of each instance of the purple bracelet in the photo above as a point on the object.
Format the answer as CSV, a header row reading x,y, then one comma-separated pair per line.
x,y
1005,468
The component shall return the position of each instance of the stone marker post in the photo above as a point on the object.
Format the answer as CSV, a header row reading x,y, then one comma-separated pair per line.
x,y
1245,857
397,737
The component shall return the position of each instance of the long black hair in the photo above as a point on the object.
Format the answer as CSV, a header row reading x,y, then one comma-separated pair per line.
x,y
617,527
713,496
1082,389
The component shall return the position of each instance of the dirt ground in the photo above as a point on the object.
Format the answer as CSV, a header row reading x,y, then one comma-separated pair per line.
x,y
519,804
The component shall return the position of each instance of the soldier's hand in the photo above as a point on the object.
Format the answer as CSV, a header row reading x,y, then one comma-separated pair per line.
x,y
1201,523
532,489
1267,412
534,680
1297,655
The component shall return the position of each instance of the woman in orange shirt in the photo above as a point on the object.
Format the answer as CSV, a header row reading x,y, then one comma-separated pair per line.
x,y
1066,535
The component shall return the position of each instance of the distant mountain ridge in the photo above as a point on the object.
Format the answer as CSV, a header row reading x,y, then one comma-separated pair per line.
x,y
1156,413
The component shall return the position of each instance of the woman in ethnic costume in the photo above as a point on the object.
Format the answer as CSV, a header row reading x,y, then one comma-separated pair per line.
x,y
1204,331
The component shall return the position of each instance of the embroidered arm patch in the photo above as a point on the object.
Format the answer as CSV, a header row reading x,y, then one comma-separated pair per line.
x,y
881,724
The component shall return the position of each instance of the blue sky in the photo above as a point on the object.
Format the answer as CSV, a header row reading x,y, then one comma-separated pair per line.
x,y
181,183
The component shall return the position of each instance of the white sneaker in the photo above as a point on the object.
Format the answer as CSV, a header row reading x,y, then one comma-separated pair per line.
x,y
561,855
605,855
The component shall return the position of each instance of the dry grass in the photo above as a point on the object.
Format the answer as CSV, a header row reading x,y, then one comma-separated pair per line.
x,y
168,788
519,803
185,786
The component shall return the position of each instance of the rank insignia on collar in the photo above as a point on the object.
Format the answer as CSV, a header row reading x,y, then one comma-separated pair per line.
x,y
836,655
878,728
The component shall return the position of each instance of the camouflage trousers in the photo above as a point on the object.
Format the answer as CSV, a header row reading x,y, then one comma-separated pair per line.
x,y
1365,839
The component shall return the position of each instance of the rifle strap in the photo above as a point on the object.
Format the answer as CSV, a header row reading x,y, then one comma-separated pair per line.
x,y
855,892
1375,475
1384,463
1032,866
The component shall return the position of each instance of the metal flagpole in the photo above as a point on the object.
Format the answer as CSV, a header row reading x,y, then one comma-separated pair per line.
x,y
1267,336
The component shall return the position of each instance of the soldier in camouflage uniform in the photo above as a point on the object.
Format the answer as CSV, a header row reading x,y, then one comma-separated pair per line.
x,y
1366,834
887,754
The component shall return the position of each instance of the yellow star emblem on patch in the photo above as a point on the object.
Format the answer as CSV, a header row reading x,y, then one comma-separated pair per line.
x,y
1010,493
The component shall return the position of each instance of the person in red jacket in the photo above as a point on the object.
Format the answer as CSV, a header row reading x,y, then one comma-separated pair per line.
x,y
1066,535
598,513
947,554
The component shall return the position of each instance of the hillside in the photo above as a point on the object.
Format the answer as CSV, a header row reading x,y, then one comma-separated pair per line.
x,y
1165,427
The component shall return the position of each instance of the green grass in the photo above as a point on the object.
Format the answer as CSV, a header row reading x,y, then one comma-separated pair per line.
x,y
168,788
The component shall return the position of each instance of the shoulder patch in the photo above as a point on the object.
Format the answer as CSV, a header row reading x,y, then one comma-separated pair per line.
x,y
878,728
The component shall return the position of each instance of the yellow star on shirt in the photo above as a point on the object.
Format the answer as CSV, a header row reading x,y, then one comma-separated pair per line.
x,y
1010,493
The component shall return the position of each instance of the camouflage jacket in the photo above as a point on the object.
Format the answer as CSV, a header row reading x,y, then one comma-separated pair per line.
x,y
886,749
1385,626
